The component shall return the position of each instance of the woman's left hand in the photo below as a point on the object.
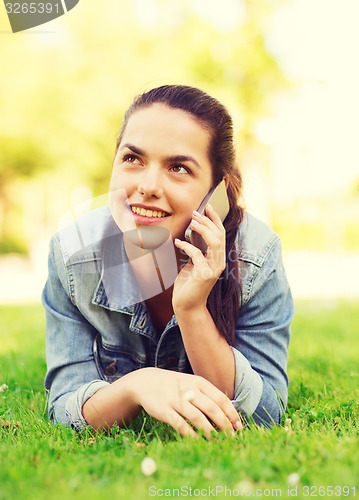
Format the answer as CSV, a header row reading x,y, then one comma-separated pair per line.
x,y
197,278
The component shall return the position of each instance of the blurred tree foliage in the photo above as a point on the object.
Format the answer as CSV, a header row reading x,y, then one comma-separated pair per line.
x,y
63,93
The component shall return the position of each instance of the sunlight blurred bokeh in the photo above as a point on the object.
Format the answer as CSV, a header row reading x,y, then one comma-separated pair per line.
x,y
286,69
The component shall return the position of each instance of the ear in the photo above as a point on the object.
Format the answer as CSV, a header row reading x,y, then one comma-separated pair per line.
x,y
226,181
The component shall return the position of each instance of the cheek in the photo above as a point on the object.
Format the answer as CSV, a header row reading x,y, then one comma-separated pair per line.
x,y
123,180
117,199
187,201
118,202
194,201
116,179
184,211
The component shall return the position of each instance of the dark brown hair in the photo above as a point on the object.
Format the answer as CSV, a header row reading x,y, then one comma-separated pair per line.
x,y
225,297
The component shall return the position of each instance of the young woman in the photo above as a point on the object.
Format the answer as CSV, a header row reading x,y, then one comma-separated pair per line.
x,y
200,337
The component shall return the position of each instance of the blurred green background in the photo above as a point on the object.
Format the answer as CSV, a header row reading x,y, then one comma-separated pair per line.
x,y
289,83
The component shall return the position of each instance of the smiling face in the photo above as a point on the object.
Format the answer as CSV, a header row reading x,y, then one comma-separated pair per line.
x,y
161,171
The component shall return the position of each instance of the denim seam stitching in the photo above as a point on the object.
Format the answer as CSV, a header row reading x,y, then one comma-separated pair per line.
x,y
269,247
83,261
69,277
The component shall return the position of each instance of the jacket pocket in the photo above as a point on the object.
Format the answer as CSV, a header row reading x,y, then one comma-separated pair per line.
x,y
113,362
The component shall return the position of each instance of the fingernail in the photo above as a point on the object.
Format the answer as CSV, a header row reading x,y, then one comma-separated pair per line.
x,y
238,425
177,240
194,222
196,213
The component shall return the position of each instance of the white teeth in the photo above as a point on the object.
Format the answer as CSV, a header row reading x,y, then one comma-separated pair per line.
x,y
148,213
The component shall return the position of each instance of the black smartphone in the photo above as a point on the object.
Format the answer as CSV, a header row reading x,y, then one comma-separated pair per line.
x,y
218,199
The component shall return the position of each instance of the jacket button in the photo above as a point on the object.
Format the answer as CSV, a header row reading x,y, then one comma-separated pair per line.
x,y
111,368
172,362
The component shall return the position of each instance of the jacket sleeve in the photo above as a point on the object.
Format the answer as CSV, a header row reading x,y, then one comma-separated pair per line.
x,y
262,338
72,376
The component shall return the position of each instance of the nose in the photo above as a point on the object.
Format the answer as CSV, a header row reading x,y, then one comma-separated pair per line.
x,y
151,183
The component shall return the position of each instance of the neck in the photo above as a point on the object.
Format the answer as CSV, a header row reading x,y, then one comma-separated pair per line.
x,y
155,269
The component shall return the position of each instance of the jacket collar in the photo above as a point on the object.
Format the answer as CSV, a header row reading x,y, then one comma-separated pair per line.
x,y
117,288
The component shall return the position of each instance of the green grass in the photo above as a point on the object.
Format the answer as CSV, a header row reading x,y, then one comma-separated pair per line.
x,y
321,444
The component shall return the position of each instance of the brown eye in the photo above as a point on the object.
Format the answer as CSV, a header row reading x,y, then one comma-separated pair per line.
x,y
130,158
180,169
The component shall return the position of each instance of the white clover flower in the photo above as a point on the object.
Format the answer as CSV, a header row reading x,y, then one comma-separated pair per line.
x,y
293,479
3,388
245,485
148,466
288,425
208,473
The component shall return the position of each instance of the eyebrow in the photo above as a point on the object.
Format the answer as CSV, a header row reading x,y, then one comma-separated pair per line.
x,y
174,158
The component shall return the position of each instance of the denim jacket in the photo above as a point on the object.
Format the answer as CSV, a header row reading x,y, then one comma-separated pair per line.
x,y
97,329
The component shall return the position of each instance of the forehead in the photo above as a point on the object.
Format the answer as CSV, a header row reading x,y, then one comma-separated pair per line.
x,y
172,130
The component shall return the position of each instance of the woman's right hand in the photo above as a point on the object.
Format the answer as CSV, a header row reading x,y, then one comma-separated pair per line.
x,y
172,397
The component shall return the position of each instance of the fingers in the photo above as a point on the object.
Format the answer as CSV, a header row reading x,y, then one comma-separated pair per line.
x,y
222,402
208,402
207,227
195,254
211,219
178,423
214,237
185,400
210,227
197,419
213,215
201,410
205,406
196,412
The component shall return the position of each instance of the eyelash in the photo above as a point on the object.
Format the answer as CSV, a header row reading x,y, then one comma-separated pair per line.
x,y
128,157
131,157
181,166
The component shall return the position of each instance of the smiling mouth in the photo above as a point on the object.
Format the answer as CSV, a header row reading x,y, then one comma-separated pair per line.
x,y
149,213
